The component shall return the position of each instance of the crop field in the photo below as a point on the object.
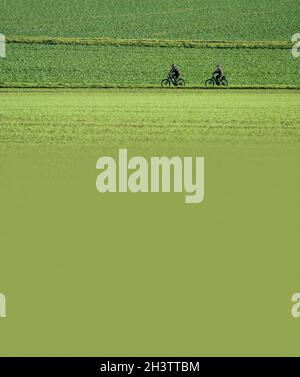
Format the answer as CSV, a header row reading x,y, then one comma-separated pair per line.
x,y
106,65
133,43
118,117
162,19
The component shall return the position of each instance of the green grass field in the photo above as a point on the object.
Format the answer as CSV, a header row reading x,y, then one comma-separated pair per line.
x,y
118,117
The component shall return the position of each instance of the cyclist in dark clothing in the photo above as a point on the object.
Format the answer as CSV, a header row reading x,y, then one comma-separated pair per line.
x,y
174,73
219,74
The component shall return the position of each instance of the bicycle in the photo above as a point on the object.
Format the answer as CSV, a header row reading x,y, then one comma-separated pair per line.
x,y
213,81
167,82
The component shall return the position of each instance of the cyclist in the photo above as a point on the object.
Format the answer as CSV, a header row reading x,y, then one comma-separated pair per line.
x,y
174,73
219,73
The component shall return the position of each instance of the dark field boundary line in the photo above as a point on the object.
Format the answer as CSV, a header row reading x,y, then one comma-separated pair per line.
x,y
141,87
148,42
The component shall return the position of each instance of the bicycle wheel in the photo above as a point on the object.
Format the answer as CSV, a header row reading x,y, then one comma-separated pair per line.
x,y
210,82
224,81
165,83
180,82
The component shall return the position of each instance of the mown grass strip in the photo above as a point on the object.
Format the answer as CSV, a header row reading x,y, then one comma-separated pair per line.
x,y
149,42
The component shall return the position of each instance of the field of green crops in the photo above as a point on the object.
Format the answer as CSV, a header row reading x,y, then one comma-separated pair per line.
x,y
75,43
118,117
171,19
99,65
